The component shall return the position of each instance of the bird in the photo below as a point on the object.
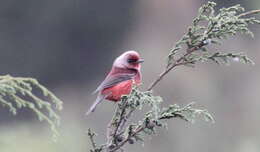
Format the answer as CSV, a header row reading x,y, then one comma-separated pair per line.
x,y
125,72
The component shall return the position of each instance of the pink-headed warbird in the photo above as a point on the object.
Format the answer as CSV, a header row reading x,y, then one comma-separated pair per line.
x,y
125,72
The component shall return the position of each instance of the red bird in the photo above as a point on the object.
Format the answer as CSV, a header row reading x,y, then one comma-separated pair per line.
x,y
125,72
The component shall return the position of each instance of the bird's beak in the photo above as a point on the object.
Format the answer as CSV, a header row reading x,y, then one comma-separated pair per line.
x,y
140,61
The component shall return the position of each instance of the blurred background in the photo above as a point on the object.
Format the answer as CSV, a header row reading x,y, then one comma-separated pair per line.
x,y
69,45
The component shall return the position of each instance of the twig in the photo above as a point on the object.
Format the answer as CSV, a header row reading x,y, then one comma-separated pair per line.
x,y
91,137
127,116
138,130
249,13
110,128
114,133
177,63
119,123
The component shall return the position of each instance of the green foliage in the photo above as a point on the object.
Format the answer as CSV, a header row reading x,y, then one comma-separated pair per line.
x,y
187,113
224,58
155,116
206,29
211,28
120,133
17,93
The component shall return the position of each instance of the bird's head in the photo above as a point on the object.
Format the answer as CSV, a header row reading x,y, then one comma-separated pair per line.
x,y
129,60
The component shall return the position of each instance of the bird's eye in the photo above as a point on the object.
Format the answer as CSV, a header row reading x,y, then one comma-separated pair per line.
x,y
132,60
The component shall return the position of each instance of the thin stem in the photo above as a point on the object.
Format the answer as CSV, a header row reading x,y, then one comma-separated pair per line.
x,y
91,137
110,128
120,122
177,63
249,13
156,81
127,139
121,127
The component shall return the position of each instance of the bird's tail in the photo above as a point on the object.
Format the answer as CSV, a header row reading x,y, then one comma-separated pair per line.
x,y
94,105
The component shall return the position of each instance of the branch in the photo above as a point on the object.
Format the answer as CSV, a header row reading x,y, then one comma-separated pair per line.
x,y
180,61
117,124
206,29
94,145
129,138
202,43
18,92
249,13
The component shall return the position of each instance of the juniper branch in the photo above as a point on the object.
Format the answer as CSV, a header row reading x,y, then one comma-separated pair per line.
x,y
203,42
180,61
18,92
207,28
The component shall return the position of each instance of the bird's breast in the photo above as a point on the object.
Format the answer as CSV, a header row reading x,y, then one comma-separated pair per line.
x,y
115,92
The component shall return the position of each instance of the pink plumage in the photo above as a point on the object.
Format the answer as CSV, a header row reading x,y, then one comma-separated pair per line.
x,y
124,73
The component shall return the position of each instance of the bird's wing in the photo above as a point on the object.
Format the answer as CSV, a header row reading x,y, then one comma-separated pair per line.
x,y
112,81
